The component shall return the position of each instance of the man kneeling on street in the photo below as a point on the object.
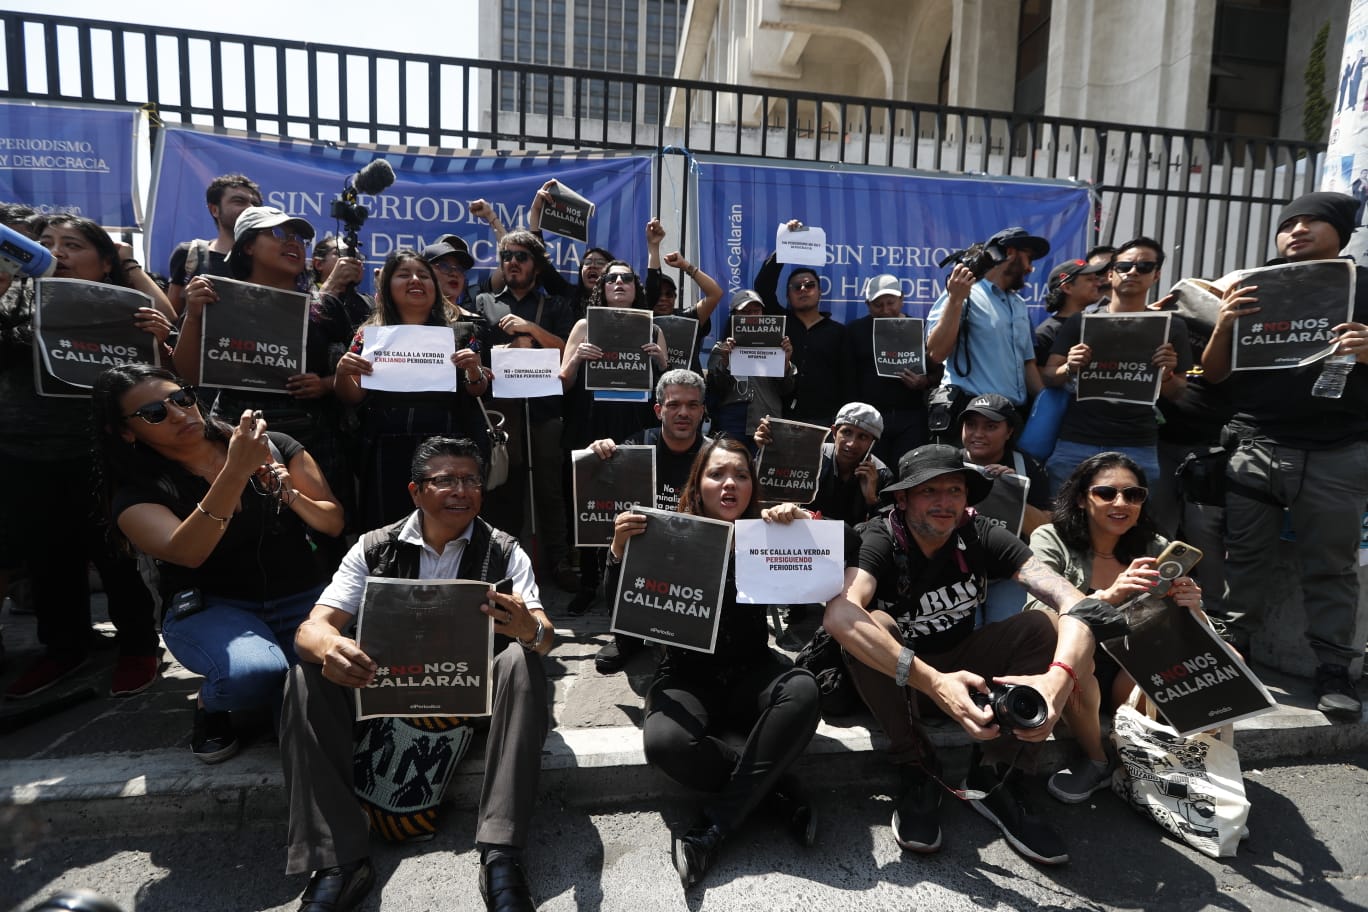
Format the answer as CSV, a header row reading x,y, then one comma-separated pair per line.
x,y
908,621
443,538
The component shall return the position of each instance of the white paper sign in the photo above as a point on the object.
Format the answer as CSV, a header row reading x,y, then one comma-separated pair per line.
x,y
757,362
805,246
525,373
409,359
795,564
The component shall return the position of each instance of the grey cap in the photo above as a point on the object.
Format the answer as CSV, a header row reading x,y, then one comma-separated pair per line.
x,y
881,285
742,298
863,416
255,218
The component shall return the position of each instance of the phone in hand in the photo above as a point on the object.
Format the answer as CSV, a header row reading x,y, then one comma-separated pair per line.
x,y
1174,561
504,586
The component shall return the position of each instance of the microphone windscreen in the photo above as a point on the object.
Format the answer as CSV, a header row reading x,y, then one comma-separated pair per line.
x,y
375,177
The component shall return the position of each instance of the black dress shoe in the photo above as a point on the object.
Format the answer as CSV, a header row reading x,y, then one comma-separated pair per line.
x,y
787,803
338,889
695,852
503,884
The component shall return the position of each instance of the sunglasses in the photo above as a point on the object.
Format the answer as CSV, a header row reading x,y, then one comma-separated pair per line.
x,y
1144,267
285,235
156,412
594,263
449,268
519,256
802,286
1131,495
618,278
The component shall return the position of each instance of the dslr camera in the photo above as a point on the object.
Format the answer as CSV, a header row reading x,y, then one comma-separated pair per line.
x,y
1013,705
978,258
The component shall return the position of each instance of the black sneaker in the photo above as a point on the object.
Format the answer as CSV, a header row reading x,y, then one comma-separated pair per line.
x,y
213,739
1009,811
1336,695
916,820
613,657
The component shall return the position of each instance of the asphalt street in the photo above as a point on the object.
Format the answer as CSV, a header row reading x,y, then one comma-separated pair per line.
x,y
1306,850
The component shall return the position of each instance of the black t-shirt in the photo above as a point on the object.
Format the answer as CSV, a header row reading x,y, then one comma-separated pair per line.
x,y
215,264
844,499
550,312
1278,404
938,598
260,555
1101,423
672,469
887,394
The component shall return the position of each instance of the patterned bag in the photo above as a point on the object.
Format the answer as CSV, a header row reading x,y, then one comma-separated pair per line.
x,y
402,769
1191,786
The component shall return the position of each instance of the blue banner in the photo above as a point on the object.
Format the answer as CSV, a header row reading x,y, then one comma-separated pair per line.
x,y
78,160
429,196
876,222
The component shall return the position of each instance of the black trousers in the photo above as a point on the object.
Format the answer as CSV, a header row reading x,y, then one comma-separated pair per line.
x,y
773,705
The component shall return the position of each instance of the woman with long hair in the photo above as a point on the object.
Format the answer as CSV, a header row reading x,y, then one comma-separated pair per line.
x,y
408,293
1103,541
47,437
226,511
742,686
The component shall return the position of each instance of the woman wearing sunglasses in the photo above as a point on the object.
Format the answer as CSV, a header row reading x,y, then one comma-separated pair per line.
x,y
45,437
225,511
698,703
1103,541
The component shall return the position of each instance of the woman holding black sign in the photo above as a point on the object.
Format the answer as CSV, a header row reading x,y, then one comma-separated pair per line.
x,y
742,688
1103,541
46,437
392,423
225,511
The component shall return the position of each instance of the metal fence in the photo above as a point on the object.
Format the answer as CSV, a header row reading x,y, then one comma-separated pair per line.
x,y
1209,198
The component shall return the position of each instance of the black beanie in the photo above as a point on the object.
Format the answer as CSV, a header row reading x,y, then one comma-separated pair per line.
x,y
1337,209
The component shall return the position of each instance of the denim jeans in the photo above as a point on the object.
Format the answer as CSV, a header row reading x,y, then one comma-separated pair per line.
x,y
1068,454
242,648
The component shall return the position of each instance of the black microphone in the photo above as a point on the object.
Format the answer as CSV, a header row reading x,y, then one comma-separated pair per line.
x,y
374,178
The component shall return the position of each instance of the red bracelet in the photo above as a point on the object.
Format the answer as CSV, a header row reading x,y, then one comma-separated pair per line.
x,y
1067,670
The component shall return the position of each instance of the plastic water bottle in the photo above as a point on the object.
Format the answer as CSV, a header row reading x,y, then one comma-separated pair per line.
x,y
1330,383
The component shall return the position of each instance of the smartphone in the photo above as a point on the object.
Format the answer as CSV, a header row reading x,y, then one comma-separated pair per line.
x,y
504,586
185,603
1174,561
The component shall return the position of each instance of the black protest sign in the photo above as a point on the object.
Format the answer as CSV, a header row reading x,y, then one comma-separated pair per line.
x,y
603,488
433,646
757,330
673,578
681,338
566,213
1299,306
1189,673
619,332
252,337
788,468
81,328
1005,504
1122,367
899,345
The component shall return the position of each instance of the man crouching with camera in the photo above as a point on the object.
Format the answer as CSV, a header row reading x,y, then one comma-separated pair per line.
x,y
909,620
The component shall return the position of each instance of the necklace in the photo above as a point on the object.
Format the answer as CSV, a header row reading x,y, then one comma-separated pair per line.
x,y
1100,554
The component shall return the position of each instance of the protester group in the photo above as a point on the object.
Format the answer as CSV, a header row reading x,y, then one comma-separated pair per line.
x,y
243,523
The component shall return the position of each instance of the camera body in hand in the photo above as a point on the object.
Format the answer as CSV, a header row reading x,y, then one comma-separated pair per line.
x,y
1013,705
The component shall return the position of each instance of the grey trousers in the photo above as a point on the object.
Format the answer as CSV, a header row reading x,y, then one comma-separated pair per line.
x,y
1325,491
327,825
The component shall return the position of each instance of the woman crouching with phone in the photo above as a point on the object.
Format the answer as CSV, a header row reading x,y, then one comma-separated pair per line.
x,y
225,511
743,687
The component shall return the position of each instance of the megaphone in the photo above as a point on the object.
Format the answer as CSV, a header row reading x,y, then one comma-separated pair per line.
x,y
21,254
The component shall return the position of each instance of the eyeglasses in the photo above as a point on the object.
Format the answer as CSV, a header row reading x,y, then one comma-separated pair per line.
x,y
1131,495
802,286
449,268
444,483
285,235
156,412
1144,267
520,256
618,278
595,262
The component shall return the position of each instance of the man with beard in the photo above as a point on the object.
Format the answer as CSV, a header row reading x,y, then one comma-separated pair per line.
x,y
1291,449
522,314
226,196
818,341
679,406
981,331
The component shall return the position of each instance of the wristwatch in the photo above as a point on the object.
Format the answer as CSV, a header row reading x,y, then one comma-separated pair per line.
x,y
536,637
